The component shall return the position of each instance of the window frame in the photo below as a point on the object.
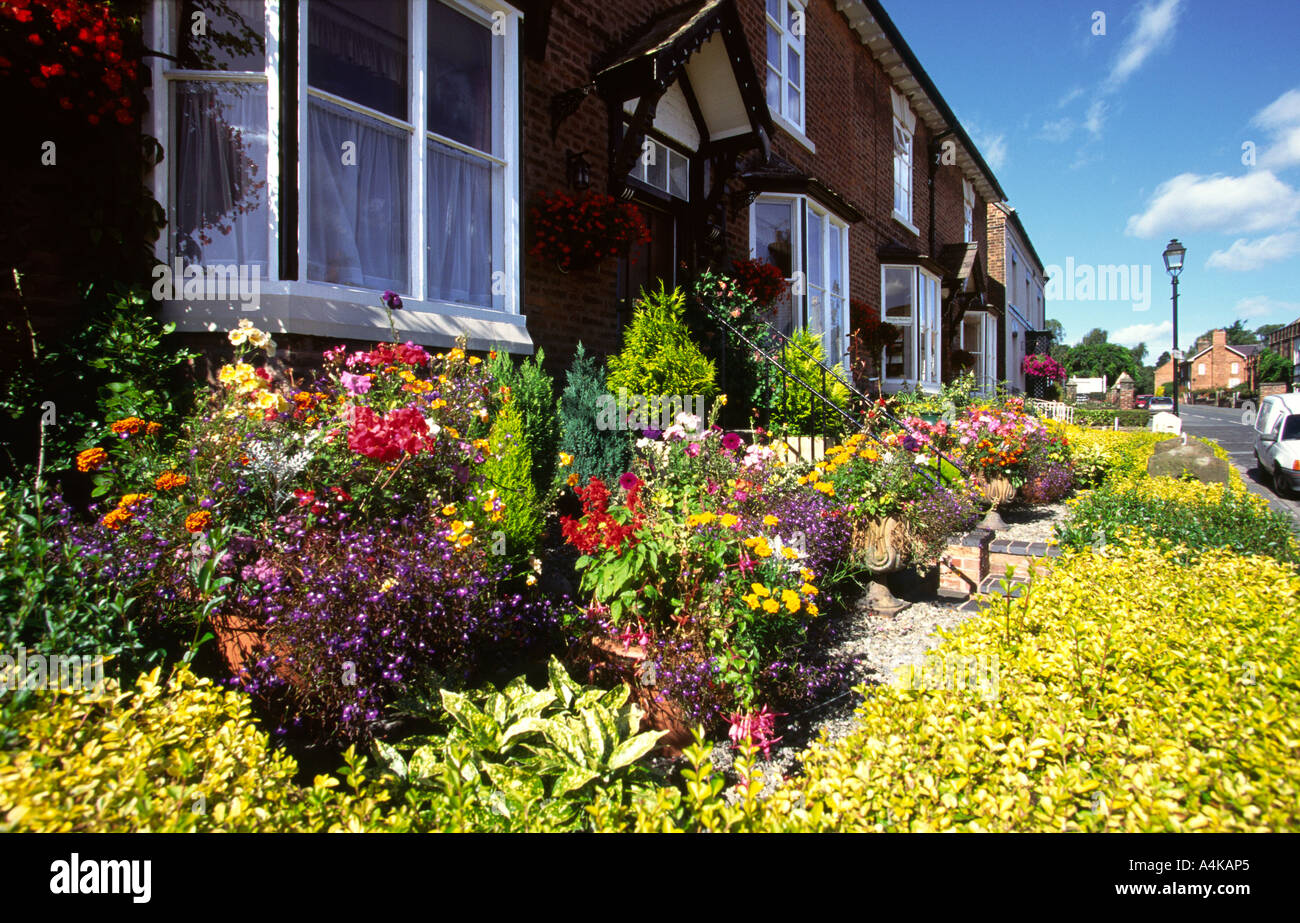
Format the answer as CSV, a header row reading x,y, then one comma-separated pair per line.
x,y
903,137
968,209
787,41
925,330
303,305
803,210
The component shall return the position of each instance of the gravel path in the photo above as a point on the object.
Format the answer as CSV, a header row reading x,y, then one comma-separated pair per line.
x,y
877,647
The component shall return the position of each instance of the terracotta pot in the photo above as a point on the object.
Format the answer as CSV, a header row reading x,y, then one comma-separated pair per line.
x,y
241,641
656,714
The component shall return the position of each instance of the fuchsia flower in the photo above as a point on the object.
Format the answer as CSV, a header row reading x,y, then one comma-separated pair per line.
x,y
629,481
731,442
757,727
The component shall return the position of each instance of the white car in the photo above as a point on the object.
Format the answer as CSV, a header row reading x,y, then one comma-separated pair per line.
x,y
1277,440
1158,403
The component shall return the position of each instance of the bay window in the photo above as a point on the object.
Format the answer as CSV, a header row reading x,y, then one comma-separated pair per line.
x,y
810,246
910,300
404,116
979,333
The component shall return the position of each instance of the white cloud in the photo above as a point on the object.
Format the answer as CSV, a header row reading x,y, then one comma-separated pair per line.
x,y
1070,97
1155,25
992,147
1057,131
1260,306
1283,152
1096,117
1281,112
1156,336
1245,255
1258,201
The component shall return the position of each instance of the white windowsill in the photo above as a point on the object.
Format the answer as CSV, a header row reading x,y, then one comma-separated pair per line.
x,y
318,310
794,131
906,222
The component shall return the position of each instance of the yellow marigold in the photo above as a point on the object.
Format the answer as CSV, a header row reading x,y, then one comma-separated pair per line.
x,y
449,510
825,487
565,459
700,519
759,590
750,600
808,589
729,520
91,459
789,553
437,404
769,520
198,521
771,606
474,360
130,425
465,540
791,600
130,500
153,428
116,518
170,479
481,444
811,608
806,573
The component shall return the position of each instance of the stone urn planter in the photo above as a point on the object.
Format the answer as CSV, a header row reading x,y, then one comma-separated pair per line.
x,y
1000,492
878,543
658,713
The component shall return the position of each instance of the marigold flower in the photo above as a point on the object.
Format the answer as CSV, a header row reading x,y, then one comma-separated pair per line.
x,y
565,459
91,459
791,600
759,589
198,521
769,520
130,500
572,479
729,520
130,425
116,518
771,606
170,479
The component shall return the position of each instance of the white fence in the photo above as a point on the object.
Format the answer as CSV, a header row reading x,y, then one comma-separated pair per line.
x,y
1051,410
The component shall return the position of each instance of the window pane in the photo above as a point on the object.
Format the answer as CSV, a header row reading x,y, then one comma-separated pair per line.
x,y
359,52
835,251
773,46
233,39
773,90
679,178
219,204
460,78
460,226
792,66
772,223
774,9
793,108
816,267
791,11
656,170
899,356
358,217
898,293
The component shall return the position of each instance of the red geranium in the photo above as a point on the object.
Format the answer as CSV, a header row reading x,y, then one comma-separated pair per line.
x,y
598,528
581,232
760,280
386,439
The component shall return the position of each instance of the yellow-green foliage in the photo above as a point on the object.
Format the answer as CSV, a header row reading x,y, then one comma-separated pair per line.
x,y
178,755
508,471
1102,454
1132,693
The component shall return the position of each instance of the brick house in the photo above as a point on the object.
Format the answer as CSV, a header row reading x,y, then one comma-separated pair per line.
x,y
1214,365
1017,282
804,132
1286,343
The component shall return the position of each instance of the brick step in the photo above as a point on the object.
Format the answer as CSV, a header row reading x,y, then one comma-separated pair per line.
x,y
970,560
992,584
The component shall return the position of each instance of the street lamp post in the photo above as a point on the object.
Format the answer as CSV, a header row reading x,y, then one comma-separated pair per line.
x,y
1174,266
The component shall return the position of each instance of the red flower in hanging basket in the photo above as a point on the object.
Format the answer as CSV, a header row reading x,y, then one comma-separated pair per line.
x,y
760,280
577,234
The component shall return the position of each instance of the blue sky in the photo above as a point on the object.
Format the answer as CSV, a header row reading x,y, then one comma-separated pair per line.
x,y
1109,145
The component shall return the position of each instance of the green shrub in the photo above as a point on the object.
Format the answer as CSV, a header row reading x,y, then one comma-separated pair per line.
x,y
1123,692
508,469
602,453
659,356
798,409
1173,513
533,394
1106,417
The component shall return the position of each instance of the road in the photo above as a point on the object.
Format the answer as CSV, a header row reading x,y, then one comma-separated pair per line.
x,y
1224,426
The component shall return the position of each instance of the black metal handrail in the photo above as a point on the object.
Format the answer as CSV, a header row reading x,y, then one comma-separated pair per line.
x,y
860,426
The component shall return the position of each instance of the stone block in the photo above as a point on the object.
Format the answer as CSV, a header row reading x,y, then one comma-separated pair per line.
x,y
1175,463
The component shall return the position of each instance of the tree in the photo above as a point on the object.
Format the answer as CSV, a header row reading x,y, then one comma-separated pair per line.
x,y
1139,352
1056,329
1164,357
1266,329
1097,359
1236,334
1273,367
1094,337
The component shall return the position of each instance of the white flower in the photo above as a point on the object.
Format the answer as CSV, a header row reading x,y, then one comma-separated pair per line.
x,y
259,338
674,431
246,323
238,336
643,443
688,421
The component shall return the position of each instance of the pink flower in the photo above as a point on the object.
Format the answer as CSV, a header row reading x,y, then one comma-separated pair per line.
x,y
757,727
356,384
693,449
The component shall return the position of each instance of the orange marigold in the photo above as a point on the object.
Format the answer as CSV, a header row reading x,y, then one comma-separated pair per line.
x,y
130,500
153,428
130,425
116,518
170,479
91,459
198,521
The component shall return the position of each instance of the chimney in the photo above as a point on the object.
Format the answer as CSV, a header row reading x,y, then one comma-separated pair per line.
x,y
1220,338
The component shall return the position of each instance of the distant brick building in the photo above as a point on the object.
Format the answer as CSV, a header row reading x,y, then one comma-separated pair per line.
x,y
1017,283
1286,343
1214,365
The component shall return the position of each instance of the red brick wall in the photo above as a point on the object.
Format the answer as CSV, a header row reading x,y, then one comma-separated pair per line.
x,y
848,118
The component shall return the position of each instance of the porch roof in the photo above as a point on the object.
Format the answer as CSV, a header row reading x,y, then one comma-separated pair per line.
x,y
779,175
